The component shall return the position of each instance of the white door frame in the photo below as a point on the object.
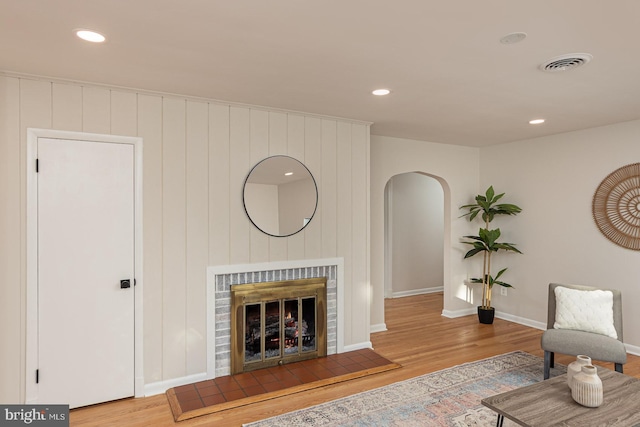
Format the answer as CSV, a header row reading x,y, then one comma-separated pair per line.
x,y
31,363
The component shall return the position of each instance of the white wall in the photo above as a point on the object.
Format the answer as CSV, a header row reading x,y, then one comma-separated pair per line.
x,y
553,180
416,221
197,154
457,169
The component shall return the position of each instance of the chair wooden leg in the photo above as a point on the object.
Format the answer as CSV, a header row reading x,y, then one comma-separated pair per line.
x,y
619,367
548,363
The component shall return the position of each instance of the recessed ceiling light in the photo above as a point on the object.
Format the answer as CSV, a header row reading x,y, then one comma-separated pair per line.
x,y
90,36
536,121
381,92
513,38
288,174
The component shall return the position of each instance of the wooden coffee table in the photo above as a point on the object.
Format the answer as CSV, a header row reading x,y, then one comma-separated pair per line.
x,y
549,403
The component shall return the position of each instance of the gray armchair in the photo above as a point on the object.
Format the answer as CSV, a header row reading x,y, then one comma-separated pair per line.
x,y
596,346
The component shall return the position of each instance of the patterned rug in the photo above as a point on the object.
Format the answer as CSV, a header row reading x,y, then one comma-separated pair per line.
x,y
450,397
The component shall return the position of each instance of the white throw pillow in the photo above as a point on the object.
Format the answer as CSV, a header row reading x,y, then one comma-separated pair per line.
x,y
590,311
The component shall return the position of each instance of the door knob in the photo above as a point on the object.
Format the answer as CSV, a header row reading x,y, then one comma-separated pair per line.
x,y
124,284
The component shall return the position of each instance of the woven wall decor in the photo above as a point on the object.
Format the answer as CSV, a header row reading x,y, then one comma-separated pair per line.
x,y
616,206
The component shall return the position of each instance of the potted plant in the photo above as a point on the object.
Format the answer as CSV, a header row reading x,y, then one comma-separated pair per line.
x,y
486,242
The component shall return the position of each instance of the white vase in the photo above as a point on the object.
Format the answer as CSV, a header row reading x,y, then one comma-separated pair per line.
x,y
576,366
587,387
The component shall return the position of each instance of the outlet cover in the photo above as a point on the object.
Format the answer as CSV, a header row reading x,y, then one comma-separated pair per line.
x,y
503,291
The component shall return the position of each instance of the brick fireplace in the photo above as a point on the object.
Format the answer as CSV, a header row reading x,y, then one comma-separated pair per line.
x,y
221,280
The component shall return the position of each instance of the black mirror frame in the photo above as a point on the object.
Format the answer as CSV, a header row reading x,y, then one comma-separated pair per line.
x,y
244,204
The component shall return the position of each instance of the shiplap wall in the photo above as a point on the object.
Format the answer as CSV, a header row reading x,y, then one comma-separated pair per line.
x,y
196,156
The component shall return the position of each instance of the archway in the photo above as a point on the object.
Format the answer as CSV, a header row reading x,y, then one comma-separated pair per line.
x,y
414,235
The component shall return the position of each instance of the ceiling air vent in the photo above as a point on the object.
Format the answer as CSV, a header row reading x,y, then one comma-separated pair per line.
x,y
565,62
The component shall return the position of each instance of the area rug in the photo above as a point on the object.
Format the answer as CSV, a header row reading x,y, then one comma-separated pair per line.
x,y
450,397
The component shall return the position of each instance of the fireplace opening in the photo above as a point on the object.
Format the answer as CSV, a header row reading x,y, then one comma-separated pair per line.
x,y
277,322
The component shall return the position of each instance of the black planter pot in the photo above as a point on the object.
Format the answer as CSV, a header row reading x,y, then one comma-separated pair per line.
x,y
485,315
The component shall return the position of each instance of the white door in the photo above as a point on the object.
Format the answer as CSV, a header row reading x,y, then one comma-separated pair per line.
x,y
85,249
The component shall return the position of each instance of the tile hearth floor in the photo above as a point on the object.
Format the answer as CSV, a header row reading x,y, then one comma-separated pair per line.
x,y
231,391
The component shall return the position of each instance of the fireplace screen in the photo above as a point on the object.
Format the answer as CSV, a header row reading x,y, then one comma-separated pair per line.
x,y
277,322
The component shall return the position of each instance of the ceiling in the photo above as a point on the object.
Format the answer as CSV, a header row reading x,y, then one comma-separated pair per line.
x,y
451,78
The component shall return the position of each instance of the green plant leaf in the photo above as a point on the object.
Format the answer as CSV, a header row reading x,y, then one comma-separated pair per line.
x,y
506,209
474,238
489,237
487,205
507,247
506,285
489,193
496,198
500,273
473,252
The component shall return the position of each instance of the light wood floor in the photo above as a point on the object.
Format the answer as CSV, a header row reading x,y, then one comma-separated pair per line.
x,y
418,338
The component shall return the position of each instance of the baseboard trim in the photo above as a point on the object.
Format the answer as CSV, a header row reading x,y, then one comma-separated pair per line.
x,y
521,320
452,314
499,314
380,327
359,346
417,292
633,349
160,387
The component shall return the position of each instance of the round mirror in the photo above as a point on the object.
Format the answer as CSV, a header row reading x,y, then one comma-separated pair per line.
x,y
280,196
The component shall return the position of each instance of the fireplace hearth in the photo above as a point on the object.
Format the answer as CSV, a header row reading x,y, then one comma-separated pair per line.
x,y
274,323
